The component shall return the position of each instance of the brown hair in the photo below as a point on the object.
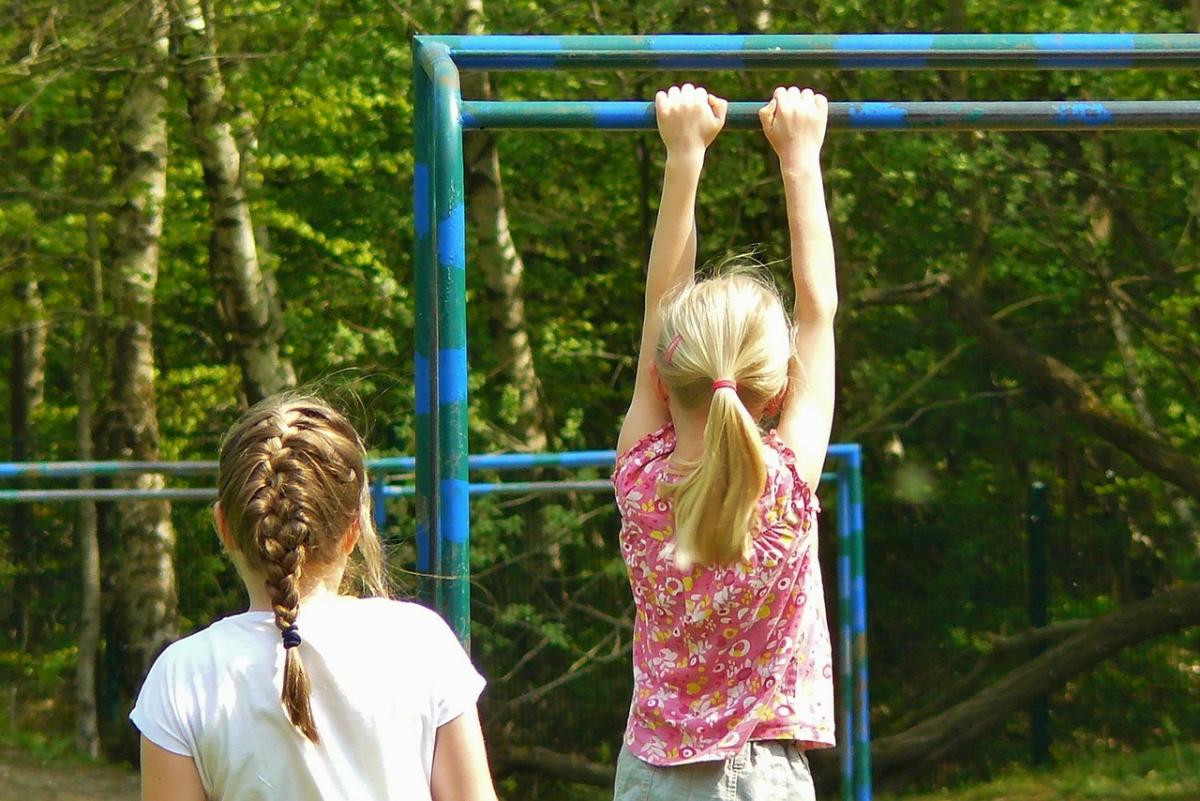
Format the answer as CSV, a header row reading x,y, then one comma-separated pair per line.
x,y
730,327
291,482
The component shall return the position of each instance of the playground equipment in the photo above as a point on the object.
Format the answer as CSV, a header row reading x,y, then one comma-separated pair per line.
x,y
441,115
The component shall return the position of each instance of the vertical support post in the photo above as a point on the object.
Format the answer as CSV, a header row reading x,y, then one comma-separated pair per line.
x,y
428,501
858,570
453,524
1039,709
845,634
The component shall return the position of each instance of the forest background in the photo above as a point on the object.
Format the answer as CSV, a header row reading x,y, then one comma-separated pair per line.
x,y
205,202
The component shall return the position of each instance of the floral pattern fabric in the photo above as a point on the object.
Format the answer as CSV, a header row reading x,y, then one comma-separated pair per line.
x,y
724,655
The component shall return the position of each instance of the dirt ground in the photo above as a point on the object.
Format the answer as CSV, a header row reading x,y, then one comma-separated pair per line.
x,y
24,778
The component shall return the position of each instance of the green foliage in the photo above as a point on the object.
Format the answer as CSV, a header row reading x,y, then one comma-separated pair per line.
x,y
952,439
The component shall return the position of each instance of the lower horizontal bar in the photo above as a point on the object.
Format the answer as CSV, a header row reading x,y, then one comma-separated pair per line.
x,y
1033,115
107,495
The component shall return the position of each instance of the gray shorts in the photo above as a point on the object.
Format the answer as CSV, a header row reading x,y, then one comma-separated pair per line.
x,y
764,770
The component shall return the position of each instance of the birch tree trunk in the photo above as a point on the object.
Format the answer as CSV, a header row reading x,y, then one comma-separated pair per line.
x,y
87,731
247,297
26,381
144,606
498,260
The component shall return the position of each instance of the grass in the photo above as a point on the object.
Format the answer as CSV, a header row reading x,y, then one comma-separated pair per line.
x,y
1162,774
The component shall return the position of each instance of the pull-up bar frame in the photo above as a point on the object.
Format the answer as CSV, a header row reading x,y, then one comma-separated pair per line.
x,y
441,116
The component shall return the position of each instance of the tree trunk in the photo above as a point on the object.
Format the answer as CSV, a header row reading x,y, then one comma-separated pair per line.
x,y
247,297
1101,238
1050,375
26,382
499,261
87,732
897,757
145,611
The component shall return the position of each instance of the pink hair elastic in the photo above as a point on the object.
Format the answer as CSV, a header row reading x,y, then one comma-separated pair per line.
x,y
724,383
669,353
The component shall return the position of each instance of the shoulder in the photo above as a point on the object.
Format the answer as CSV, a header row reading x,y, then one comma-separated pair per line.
x,y
656,445
784,479
391,617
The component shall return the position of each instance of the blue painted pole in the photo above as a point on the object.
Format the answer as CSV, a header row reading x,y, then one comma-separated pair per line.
x,y
1042,115
845,636
1039,51
858,573
453,525
428,499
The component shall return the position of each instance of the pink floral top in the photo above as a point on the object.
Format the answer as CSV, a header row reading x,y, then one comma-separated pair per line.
x,y
730,654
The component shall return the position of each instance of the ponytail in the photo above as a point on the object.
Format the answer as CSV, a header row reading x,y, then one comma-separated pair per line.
x,y
714,504
725,343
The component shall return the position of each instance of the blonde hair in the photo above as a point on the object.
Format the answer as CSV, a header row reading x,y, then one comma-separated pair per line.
x,y
291,482
730,326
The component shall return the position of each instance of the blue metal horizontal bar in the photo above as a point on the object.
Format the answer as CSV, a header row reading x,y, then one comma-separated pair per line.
x,y
108,495
75,469
483,461
1045,115
847,51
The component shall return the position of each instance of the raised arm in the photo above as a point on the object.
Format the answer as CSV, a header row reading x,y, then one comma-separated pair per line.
x,y
794,123
689,119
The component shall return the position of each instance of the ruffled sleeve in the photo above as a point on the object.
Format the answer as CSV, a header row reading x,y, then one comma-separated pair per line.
x,y
630,464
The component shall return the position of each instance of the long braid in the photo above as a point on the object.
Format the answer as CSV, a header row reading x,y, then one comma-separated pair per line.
x,y
282,539
292,484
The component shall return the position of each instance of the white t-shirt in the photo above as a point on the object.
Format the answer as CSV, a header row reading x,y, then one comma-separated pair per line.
x,y
385,675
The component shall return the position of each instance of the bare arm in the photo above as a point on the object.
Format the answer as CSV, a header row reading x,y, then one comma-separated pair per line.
x,y
688,120
169,777
794,122
460,767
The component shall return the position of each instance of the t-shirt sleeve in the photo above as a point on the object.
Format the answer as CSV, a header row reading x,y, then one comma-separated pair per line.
x,y
156,713
456,683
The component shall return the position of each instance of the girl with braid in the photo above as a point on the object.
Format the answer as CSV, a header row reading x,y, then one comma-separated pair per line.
x,y
310,695
731,656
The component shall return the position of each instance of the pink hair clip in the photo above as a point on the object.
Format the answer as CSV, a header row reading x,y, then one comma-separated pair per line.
x,y
669,353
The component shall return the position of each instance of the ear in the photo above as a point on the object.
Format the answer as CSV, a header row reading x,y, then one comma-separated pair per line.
x,y
350,538
660,389
222,526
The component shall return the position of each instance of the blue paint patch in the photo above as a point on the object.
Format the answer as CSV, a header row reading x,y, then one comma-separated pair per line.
x,y
452,376
421,198
854,44
468,121
859,590
1096,114
877,115
456,511
451,239
510,42
623,115
421,378
1085,44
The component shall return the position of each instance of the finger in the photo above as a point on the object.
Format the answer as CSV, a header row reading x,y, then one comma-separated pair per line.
x,y
821,102
806,93
720,107
673,92
780,94
687,87
766,115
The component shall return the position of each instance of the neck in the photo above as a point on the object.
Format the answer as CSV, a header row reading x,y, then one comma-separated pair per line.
x,y
324,587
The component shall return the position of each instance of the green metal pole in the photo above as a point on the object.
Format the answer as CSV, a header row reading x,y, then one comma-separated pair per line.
x,y
425,279
453,528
